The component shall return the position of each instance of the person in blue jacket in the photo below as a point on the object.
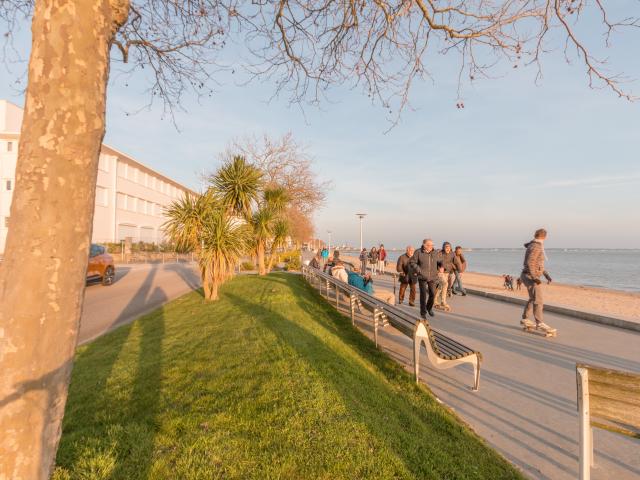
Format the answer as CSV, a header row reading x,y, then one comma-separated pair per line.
x,y
362,283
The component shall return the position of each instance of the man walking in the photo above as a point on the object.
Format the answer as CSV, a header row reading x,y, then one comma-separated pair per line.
x,y
407,278
533,269
425,261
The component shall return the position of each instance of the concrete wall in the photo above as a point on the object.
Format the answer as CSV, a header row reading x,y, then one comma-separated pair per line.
x,y
130,197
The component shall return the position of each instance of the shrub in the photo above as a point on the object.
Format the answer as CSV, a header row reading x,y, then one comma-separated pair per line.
x,y
245,266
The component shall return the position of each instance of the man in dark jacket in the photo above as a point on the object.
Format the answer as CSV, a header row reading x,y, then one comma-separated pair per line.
x,y
425,261
532,270
406,277
446,256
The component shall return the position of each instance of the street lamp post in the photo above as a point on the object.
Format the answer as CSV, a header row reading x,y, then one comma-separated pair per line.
x,y
361,216
329,248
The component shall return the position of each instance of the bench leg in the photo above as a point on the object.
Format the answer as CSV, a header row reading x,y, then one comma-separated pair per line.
x,y
476,375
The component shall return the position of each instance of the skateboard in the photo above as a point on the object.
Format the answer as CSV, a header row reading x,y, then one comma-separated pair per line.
x,y
530,327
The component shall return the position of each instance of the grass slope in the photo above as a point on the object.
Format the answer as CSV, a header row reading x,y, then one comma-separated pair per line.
x,y
268,382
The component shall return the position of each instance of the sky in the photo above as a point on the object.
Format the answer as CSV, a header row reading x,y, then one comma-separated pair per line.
x,y
519,156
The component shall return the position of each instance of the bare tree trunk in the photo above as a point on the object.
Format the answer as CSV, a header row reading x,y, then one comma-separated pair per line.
x,y
42,277
260,252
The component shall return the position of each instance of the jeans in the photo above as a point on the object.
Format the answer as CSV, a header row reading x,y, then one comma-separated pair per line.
x,y
430,288
536,302
457,283
363,267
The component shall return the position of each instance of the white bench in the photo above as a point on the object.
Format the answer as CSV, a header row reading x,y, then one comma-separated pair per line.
x,y
612,398
442,351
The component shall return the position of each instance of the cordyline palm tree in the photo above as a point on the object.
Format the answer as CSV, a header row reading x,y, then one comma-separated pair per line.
x,y
263,222
238,185
224,241
280,234
203,225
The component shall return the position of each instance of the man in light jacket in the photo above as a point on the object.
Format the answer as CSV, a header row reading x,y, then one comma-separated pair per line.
x,y
532,270
425,261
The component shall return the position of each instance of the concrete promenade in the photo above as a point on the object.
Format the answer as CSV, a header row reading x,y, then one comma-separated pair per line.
x,y
138,289
526,406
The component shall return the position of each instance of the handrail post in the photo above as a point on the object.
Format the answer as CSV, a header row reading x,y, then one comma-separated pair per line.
x,y
375,325
337,297
352,301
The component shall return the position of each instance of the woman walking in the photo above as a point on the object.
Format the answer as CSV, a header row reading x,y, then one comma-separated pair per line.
x,y
459,267
373,260
382,259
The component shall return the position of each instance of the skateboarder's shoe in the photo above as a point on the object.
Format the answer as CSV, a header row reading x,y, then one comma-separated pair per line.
x,y
545,328
526,323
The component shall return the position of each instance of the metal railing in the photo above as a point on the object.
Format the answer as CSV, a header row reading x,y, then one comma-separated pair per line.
x,y
383,314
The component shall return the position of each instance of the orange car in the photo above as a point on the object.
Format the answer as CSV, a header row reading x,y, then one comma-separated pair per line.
x,y
100,265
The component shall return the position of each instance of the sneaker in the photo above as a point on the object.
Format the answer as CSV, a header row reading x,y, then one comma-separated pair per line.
x,y
464,294
544,327
526,322
412,304
423,316
431,314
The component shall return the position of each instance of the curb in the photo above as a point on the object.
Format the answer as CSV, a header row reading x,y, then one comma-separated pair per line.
x,y
590,317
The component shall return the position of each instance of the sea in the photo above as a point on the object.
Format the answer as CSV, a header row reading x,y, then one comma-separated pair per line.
x,y
602,268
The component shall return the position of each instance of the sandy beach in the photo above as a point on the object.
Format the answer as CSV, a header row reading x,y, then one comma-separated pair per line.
x,y
614,303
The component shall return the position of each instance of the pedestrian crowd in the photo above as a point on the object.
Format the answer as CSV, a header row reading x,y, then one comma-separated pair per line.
x,y
438,275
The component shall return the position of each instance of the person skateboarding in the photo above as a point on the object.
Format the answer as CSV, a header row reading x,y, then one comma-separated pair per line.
x,y
533,269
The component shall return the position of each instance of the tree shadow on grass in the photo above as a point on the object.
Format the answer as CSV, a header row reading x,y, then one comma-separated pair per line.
x,y
406,420
109,432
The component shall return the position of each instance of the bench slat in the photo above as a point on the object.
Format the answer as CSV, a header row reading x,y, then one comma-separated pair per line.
x,y
614,410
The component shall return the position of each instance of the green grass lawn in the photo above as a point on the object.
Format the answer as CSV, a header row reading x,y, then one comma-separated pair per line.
x,y
268,382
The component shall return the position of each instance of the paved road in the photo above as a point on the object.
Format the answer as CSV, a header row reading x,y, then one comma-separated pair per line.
x,y
138,289
526,406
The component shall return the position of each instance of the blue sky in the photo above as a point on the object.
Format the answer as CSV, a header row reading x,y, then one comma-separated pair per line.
x,y
518,156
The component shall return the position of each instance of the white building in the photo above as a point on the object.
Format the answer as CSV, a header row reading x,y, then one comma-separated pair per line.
x,y
130,197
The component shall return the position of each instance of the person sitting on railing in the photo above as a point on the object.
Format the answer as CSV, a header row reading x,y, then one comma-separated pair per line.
x,y
362,283
333,260
315,262
338,271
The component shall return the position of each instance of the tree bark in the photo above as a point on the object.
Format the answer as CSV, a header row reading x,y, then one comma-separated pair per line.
x,y
42,277
260,253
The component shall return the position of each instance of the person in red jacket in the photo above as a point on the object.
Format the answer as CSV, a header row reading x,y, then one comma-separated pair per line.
x,y
382,258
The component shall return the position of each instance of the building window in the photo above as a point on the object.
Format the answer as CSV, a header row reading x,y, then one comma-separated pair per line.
x,y
9,146
102,197
121,201
103,163
8,185
122,170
